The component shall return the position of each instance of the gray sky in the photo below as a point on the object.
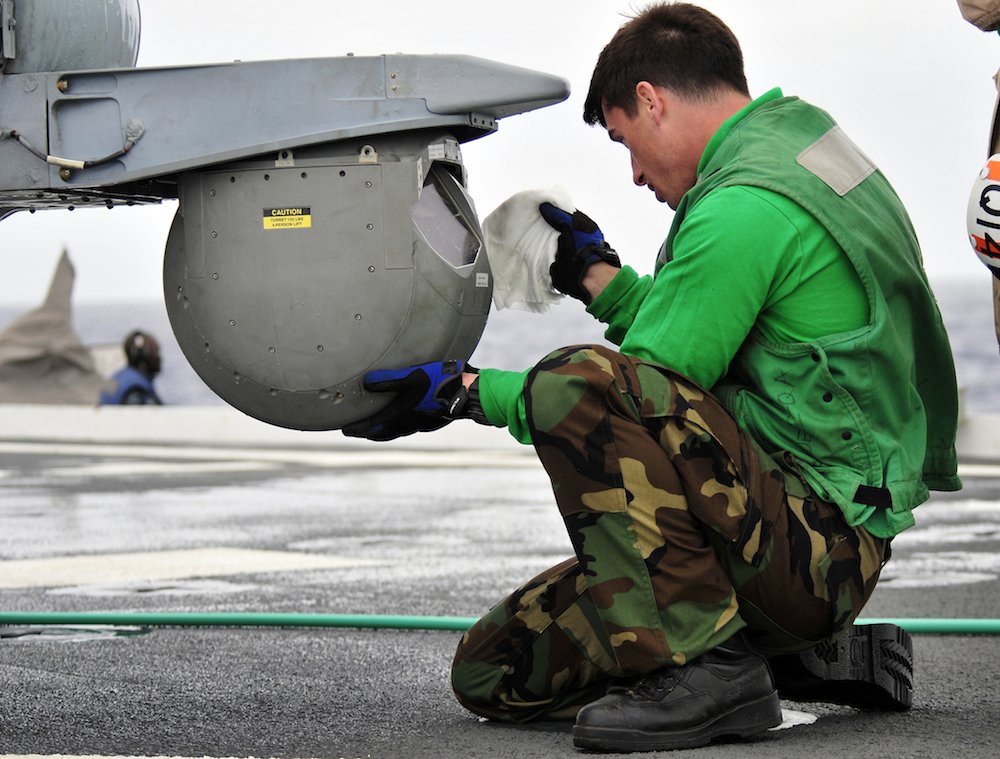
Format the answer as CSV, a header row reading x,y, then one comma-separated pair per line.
x,y
909,81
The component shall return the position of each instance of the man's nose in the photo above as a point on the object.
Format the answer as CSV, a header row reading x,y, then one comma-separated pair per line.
x,y
637,175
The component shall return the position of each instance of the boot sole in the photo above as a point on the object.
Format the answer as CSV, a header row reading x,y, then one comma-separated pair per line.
x,y
869,668
742,721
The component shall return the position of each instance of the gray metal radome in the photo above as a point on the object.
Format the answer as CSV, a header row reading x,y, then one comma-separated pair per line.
x,y
55,35
285,283
324,228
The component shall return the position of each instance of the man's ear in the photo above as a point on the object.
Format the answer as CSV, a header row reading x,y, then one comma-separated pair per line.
x,y
650,100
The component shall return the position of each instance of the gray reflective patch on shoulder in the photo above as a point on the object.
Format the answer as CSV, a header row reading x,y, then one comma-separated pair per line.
x,y
837,161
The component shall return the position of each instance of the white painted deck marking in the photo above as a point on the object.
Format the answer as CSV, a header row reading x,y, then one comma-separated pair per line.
x,y
979,470
145,468
115,756
66,571
940,569
507,458
940,550
504,458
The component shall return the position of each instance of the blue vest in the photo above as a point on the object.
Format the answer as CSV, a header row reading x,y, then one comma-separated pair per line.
x,y
132,387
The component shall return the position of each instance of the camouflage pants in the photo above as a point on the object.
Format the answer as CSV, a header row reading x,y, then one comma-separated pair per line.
x,y
685,532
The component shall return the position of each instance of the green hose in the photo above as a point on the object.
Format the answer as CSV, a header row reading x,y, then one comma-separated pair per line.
x,y
381,621
930,626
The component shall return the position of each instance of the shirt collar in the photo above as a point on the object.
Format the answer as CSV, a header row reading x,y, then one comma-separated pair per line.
x,y
727,126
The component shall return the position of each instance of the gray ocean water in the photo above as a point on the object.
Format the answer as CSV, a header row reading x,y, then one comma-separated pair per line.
x,y
516,340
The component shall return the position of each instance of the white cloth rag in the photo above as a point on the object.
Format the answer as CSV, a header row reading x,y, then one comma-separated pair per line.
x,y
521,246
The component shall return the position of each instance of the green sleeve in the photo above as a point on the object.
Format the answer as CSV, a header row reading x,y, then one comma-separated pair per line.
x,y
501,394
705,300
620,301
738,264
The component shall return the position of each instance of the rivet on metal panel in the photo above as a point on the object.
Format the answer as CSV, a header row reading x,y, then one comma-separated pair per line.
x,y
368,154
65,174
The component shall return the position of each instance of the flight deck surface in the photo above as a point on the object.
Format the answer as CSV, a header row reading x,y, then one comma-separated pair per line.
x,y
442,530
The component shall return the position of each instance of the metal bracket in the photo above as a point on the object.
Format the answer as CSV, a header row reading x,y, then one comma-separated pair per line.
x,y
8,46
368,154
285,159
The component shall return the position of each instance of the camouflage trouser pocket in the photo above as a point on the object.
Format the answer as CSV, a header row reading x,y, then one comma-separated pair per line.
x,y
817,576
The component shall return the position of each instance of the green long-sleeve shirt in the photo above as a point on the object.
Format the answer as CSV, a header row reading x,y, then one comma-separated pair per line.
x,y
791,285
744,257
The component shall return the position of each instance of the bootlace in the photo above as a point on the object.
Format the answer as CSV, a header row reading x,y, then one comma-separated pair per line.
x,y
656,685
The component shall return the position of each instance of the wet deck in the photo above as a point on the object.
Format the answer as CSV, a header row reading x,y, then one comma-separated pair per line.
x,y
440,527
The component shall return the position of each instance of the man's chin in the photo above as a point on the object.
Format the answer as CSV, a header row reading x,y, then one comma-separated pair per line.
x,y
661,198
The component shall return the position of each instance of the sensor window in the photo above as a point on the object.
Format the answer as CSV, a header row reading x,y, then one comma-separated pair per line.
x,y
439,216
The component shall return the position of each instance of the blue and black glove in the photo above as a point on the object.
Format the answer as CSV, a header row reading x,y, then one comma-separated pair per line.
x,y
428,397
581,243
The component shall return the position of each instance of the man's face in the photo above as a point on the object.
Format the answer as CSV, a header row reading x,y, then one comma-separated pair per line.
x,y
662,157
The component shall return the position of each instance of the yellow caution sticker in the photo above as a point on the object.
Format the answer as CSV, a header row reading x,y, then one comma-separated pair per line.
x,y
287,218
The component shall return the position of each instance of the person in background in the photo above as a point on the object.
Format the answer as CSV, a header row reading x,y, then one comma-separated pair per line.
x,y
985,14
134,382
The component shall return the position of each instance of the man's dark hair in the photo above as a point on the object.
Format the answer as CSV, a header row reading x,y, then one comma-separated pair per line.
x,y
678,46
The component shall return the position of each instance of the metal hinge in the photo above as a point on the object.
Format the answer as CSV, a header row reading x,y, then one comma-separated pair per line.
x,y
8,48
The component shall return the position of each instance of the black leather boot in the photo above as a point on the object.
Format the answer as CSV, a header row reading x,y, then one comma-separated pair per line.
x,y
727,691
871,667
